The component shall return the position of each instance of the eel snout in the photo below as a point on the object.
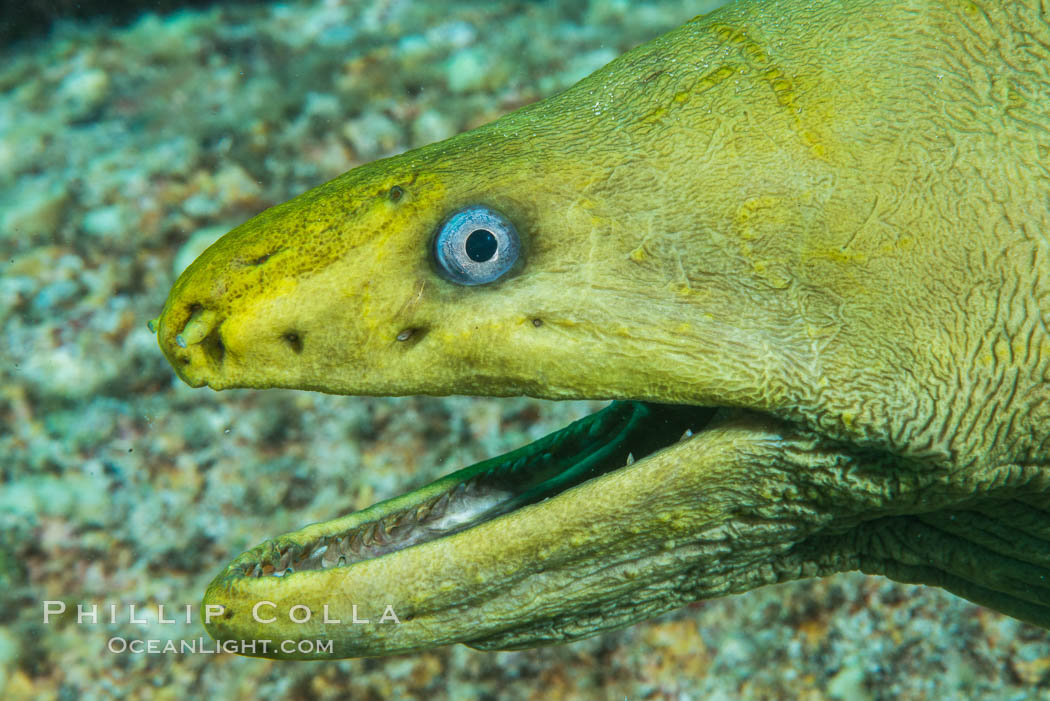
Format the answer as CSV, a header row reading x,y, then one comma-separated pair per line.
x,y
234,316
191,337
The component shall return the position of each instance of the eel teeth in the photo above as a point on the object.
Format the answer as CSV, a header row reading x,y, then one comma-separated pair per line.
x,y
379,534
331,551
686,435
630,459
329,557
398,527
352,544
368,536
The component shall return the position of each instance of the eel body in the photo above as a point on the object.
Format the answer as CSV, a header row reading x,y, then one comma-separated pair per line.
x,y
804,245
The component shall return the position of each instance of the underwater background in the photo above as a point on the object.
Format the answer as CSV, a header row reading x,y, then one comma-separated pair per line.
x,y
127,145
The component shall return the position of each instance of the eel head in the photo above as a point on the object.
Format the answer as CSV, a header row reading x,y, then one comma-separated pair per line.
x,y
685,244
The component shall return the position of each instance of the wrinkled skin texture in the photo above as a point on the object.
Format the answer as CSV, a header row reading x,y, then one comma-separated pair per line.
x,y
829,217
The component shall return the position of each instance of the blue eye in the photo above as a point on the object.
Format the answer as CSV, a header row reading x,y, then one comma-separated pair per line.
x,y
476,245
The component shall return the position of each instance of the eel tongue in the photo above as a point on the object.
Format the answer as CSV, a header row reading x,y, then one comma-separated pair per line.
x,y
609,439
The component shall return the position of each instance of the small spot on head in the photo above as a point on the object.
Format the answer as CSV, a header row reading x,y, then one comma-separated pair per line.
x,y
537,322
412,335
395,193
259,260
294,341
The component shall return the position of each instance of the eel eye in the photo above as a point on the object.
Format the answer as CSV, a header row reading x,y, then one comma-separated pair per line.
x,y
475,246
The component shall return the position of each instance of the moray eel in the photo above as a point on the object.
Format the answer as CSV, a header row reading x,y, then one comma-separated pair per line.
x,y
803,246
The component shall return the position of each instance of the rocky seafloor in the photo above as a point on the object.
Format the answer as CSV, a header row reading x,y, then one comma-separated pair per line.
x,y
124,151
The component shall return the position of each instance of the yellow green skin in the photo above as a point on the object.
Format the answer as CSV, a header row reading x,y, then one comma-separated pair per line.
x,y
830,217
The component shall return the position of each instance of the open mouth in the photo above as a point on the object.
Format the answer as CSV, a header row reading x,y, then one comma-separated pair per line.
x,y
608,440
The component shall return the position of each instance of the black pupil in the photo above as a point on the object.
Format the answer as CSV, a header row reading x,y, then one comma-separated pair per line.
x,y
481,245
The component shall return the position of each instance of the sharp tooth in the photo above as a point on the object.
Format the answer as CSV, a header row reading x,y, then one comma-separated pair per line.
x,y
369,534
329,557
630,459
688,434
398,530
398,523
352,544
380,534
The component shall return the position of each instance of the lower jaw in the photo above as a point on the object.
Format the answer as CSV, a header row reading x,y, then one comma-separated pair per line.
x,y
607,440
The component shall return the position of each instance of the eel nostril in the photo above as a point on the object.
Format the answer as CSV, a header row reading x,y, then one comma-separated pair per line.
x,y
198,326
214,348
203,330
